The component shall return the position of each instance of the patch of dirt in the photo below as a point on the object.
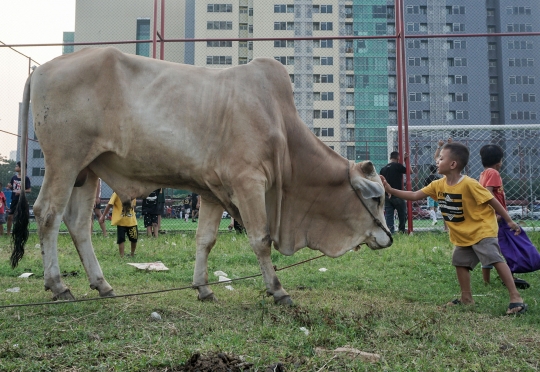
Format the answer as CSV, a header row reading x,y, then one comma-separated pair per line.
x,y
219,362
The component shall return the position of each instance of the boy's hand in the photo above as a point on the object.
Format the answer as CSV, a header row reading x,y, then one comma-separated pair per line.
x,y
515,227
385,184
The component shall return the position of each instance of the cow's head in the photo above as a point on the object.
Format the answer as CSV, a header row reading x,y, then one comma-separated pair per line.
x,y
370,193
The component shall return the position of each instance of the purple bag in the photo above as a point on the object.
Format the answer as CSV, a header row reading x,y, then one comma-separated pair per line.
x,y
520,253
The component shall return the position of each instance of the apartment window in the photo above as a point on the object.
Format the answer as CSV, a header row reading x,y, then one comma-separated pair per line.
x,y
326,9
460,62
250,12
322,26
523,115
492,63
282,8
418,114
490,12
219,60
455,27
493,80
327,96
461,97
462,115
416,44
460,79
242,60
327,61
283,44
291,76
327,132
327,114
491,29
243,10
38,172
494,97
288,60
494,115
415,97
350,131
250,45
520,44
522,97
143,33
349,81
415,9
351,153
519,27
323,44
521,62
456,9
243,26
521,79
518,10
219,25
415,27
219,44
325,78
283,25
219,8
492,46
38,154
250,29
417,61
349,99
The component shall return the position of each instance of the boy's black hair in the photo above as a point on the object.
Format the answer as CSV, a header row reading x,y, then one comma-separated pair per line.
x,y
459,153
491,155
394,155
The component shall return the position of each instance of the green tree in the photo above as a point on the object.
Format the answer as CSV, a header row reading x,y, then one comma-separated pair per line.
x,y
7,169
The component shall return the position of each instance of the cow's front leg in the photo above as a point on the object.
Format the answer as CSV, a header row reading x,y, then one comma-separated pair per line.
x,y
253,212
209,219
78,219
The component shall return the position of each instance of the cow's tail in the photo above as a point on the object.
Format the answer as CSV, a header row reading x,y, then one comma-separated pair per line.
x,y
21,218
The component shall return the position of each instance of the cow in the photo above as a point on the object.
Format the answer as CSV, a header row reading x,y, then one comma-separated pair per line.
x,y
231,135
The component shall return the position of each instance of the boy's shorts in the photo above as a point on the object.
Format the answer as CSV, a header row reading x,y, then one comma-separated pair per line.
x,y
486,251
2,218
150,219
132,233
432,203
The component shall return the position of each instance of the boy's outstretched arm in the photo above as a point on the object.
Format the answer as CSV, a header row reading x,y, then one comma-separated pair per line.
x,y
407,195
504,214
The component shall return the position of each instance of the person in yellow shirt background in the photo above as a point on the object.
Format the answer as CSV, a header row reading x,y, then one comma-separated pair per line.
x,y
125,222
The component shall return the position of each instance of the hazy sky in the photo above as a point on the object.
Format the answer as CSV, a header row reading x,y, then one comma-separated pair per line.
x,y
26,22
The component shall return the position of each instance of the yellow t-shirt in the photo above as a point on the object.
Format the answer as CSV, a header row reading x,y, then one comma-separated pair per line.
x,y
118,217
464,209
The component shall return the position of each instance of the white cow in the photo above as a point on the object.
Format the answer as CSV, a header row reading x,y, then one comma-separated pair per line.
x,y
231,135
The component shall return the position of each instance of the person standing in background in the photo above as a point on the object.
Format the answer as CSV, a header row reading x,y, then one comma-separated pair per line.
x,y
393,172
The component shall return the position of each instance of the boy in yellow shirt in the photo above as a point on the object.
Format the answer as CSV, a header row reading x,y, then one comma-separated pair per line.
x,y
469,211
125,222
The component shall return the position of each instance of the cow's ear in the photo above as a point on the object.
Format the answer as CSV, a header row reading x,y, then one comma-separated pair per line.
x,y
368,189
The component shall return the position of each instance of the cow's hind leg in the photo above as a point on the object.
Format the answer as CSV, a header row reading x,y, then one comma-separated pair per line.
x,y
48,209
209,220
253,212
78,217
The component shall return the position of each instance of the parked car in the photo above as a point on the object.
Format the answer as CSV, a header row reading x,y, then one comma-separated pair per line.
x,y
31,212
516,212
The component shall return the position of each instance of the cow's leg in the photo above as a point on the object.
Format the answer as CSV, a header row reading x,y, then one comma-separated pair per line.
x,y
253,212
48,209
78,217
209,220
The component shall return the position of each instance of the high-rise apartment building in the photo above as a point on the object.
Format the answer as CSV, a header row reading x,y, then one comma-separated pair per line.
x,y
346,90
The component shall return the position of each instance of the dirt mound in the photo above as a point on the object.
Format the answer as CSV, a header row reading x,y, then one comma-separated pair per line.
x,y
219,362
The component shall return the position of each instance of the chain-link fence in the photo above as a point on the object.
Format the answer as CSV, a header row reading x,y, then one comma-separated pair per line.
x,y
463,63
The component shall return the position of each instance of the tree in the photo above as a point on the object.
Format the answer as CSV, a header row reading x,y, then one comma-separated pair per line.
x,y
7,169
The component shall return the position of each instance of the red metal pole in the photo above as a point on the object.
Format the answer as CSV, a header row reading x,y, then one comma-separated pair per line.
x,y
154,34
162,43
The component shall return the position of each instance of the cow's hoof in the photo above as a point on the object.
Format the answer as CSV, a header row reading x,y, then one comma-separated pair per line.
x,y
211,297
64,296
108,294
285,300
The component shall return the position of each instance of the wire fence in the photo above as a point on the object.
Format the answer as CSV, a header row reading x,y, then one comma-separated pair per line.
x,y
357,69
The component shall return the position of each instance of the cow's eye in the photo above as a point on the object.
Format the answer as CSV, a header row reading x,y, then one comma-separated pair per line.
x,y
377,199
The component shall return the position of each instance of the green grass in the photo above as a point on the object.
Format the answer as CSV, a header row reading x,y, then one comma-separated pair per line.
x,y
387,302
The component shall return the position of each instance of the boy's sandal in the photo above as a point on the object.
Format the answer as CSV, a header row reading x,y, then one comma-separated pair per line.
x,y
513,305
454,302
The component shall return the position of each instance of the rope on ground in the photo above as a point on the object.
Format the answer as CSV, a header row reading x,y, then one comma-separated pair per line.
x,y
152,292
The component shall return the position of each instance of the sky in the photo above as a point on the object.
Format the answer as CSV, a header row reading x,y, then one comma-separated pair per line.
x,y
27,22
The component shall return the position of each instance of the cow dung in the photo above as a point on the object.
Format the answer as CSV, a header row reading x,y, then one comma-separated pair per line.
x,y
216,362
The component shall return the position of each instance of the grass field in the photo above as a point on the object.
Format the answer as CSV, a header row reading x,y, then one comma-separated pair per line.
x,y
388,302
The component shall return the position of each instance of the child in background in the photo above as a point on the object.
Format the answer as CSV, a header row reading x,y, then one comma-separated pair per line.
x,y
125,222
520,254
2,210
467,208
150,213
